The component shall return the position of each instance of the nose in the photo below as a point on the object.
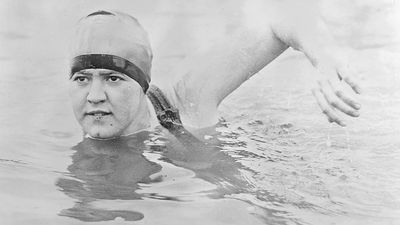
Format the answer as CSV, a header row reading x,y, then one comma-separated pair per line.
x,y
96,93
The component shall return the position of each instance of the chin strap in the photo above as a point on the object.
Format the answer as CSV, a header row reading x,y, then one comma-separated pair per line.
x,y
167,115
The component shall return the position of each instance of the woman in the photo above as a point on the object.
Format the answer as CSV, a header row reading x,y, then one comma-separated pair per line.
x,y
111,71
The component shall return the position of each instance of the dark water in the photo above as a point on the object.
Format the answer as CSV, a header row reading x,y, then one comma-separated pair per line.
x,y
272,159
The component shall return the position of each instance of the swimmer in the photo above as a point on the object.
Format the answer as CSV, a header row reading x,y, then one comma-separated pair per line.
x,y
111,72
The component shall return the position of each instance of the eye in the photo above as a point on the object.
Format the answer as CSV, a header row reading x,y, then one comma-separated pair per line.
x,y
81,79
114,79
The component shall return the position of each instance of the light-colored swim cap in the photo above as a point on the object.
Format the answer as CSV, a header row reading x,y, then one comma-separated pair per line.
x,y
113,40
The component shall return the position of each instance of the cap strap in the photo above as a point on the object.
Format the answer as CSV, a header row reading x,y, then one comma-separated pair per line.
x,y
111,62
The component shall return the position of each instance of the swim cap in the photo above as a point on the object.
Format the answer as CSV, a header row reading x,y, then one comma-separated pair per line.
x,y
115,41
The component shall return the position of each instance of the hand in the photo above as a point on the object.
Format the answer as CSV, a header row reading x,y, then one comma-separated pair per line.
x,y
330,92
303,29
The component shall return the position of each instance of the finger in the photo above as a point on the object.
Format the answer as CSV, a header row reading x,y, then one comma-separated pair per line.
x,y
347,76
334,101
347,98
326,108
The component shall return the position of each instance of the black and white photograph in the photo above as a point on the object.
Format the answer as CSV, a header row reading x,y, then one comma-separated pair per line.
x,y
200,112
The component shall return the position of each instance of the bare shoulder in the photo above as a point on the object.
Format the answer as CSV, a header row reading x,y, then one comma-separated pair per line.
x,y
194,110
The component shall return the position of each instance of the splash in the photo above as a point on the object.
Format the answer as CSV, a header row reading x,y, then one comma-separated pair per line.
x,y
347,138
328,137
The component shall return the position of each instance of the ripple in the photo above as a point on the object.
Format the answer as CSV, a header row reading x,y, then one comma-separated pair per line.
x,y
56,134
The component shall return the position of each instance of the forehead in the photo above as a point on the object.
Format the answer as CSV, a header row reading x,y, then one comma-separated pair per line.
x,y
99,72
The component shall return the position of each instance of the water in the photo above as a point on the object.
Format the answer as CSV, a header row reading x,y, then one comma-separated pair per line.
x,y
272,159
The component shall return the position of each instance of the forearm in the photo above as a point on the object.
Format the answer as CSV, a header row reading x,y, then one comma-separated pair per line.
x,y
209,76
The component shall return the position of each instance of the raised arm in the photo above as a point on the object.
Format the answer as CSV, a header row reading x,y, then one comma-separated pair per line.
x,y
302,28
207,77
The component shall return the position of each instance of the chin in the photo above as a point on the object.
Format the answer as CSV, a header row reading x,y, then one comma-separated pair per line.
x,y
102,132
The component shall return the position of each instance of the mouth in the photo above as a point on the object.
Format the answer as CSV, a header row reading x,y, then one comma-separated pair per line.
x,y
98,114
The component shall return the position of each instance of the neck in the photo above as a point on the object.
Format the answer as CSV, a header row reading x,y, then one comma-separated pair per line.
x,y
141,121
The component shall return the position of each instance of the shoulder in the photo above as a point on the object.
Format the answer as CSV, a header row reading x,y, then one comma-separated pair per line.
x,y
193,109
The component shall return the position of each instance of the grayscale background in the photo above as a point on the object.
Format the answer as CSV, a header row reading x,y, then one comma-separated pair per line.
x,y
322,173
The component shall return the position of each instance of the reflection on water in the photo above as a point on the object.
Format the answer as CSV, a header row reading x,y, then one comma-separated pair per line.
x,y
276,178
106,170
116,169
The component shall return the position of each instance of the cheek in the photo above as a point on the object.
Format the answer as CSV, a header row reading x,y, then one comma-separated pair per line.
x,y
78,99
126,103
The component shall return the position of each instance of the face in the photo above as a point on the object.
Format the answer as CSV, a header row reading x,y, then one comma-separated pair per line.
x,y
105,102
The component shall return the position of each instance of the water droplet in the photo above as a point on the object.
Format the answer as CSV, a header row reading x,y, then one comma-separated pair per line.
x,y
347,138
328,138
119,219
207,137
